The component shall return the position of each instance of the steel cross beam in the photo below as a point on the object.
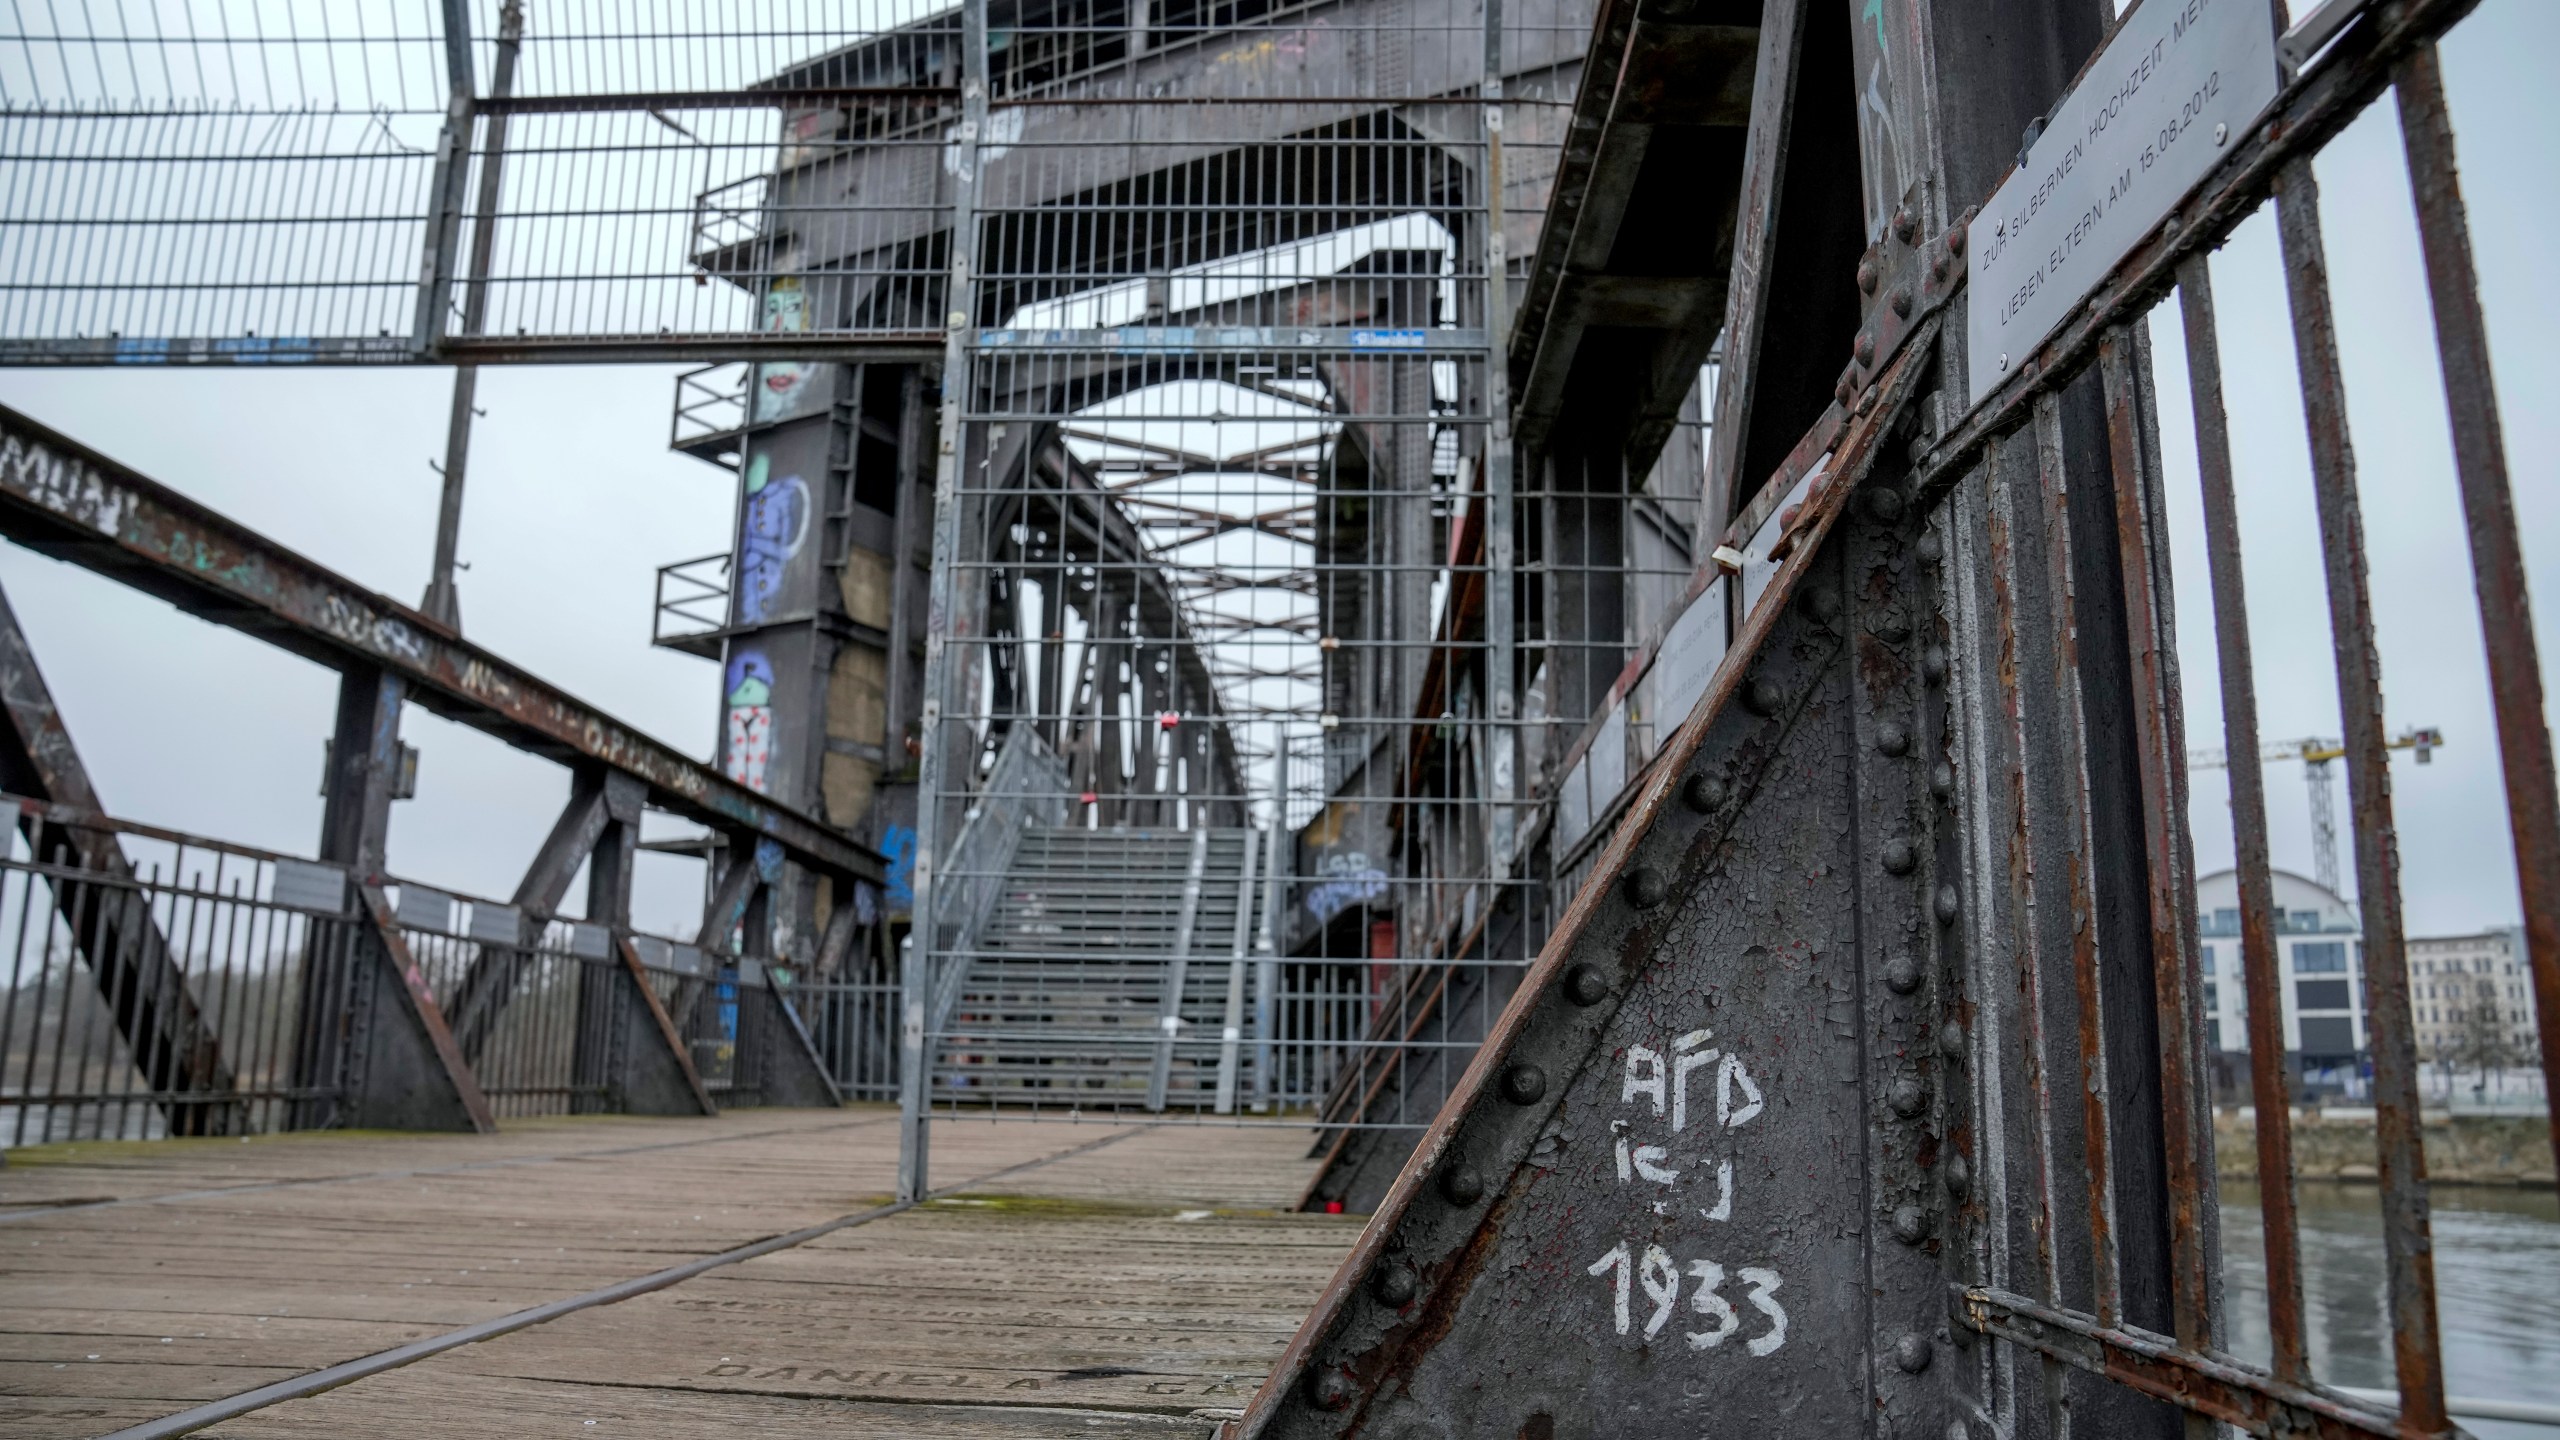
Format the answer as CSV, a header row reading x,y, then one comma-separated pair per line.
x,y
59,497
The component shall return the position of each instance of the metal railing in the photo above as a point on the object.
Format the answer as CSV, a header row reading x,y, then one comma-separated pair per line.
x,y
163,997
154,983
692,605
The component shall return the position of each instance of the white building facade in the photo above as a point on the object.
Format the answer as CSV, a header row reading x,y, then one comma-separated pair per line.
x,y
2467,988
2320,959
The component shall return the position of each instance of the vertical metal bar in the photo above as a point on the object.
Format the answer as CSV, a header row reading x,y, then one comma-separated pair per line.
x,y
2497,558
2159,710
441,602
444,194
1231,1031
1177,973
2097,1139
1501,681
2248,824
1266,987
915,1110
2417,1344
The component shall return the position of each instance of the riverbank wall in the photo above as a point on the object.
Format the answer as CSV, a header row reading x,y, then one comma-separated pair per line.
x,y
2332,1145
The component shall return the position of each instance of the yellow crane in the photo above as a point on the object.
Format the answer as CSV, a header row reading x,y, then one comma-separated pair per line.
x,y
2315,754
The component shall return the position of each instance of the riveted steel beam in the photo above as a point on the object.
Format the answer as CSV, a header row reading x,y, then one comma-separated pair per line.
x,y
1697,1141
66,500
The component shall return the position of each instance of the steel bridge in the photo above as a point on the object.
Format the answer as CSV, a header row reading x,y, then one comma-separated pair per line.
x,y
1438,718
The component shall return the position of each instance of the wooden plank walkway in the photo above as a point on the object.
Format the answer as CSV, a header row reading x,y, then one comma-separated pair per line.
x,y
1114,1280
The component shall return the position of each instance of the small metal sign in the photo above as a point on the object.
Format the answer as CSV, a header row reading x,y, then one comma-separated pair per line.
x,y
2161,107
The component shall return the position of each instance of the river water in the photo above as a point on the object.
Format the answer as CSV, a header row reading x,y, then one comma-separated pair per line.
x,y
2497,1291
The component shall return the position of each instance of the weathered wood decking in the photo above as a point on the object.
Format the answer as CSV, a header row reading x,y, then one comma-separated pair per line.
x,y
1139,1286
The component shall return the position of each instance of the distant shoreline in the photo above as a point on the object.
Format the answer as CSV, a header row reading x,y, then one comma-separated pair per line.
x,y
2498,1151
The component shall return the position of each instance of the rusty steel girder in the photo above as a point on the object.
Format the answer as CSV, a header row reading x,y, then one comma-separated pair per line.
x,y
1697,1160
66,500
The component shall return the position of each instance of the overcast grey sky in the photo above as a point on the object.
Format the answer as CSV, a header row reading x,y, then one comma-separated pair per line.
x,y
575,501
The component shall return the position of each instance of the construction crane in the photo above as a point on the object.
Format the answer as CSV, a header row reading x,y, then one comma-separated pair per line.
x,y
2315,755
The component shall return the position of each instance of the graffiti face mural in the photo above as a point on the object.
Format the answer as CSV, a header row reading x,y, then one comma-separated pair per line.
x,y
777,521
746,743
780,385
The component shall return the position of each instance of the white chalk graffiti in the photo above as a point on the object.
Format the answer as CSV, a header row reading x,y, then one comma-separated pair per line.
x,y
64,485
1659,1276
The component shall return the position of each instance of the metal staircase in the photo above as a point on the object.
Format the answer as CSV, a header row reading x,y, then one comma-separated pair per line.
x,y
1111,971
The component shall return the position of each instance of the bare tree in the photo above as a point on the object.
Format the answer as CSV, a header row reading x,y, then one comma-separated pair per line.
x,y
2484,1043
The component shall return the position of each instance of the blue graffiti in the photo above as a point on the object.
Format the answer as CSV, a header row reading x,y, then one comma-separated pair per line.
x,y
777,520
899,845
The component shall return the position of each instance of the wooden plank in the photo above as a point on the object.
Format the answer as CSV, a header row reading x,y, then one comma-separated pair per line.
x,y
501,1406
1124,1290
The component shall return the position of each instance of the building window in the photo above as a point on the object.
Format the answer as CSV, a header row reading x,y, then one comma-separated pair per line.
x,y
2212,996
2208,959
2320,994
2320,957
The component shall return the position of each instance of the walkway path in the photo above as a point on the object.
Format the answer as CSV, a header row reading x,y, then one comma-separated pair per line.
x,y
1109,1280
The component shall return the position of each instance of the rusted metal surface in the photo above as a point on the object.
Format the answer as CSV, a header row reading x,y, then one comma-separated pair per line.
x,y
418,1000
2269,1087
1627,287
663,1025
2142,537
2199,1383
1511,1218
2061,813
144,986
2417,1343
2497,556
66,500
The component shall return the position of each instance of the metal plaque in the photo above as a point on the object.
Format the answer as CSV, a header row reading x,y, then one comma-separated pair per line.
x,y
2158,110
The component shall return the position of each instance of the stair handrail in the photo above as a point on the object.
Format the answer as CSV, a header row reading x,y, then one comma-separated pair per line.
x,y
1028,786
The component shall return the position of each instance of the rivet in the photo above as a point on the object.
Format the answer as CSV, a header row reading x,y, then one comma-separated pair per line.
x,y
1884,504
1902,974
1584,985
1901,301
1933,664
1956,237
1911,1352
1948,905
1394,1285
1958,1175
1942,780
1704,794
1930,548
1904,227
1910,1225
1822,603
1867,276
1893,738
1908,1097
1951,1040
1866,350
1893,629
1524,1084
1763,697
1900,857
1332,1389
1462,1185
1939,265
2171,225
1646,888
